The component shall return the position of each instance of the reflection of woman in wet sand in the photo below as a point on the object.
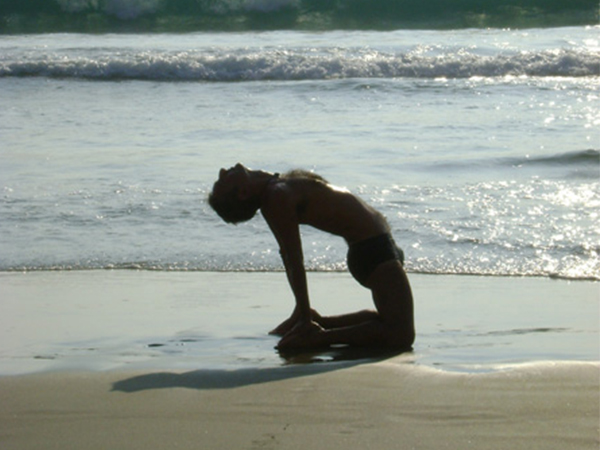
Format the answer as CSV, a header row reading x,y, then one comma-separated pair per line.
x,y
300,197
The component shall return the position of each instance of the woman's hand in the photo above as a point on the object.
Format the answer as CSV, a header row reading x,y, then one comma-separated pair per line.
x,y
303,335
288,325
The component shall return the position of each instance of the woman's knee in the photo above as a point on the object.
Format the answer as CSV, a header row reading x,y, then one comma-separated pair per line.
x,y
401,337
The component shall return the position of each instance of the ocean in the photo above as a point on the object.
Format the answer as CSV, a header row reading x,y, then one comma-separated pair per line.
x,y
472,126
480,145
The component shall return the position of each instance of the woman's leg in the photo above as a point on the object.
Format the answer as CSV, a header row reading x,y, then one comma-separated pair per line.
x,y
391,326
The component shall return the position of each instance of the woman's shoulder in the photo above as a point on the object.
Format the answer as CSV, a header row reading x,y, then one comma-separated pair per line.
x,y
303,176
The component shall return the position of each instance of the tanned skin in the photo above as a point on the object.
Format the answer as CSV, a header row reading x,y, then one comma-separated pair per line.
x,y
301,198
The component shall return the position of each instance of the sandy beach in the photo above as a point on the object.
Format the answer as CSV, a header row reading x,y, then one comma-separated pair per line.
x,y
379,406
128,360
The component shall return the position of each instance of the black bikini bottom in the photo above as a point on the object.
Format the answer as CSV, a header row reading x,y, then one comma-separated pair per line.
x,y
364,256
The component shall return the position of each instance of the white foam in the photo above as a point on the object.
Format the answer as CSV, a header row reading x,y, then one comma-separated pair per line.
x,y
300,64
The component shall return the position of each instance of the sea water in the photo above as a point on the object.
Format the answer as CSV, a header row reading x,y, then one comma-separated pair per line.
x,y
479,144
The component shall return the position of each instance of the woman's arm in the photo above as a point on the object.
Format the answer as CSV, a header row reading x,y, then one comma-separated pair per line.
x,y
283,222
290,248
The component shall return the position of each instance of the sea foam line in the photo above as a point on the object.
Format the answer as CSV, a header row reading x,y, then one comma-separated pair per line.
x,y
302,64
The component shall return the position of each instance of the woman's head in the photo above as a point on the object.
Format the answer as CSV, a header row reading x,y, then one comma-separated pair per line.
x,y
230,198
231,208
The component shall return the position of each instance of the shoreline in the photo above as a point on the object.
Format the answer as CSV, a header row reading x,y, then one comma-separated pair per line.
x,y
151,269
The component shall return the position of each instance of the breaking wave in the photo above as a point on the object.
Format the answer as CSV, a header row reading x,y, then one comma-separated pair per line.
x,y
298,64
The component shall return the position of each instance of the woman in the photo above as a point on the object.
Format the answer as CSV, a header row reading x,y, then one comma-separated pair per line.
x,y
300,197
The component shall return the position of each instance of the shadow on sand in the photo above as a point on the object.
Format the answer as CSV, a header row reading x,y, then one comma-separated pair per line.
x,y
296,364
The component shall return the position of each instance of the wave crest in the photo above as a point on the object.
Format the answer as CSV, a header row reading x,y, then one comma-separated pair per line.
x,y
302,64
584,158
